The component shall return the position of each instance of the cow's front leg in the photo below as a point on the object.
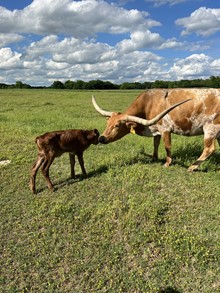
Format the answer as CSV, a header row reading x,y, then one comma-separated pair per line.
x,y
167,145
156,147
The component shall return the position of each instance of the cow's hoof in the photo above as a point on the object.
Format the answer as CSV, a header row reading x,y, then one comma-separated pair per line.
x,y
192,168
166,165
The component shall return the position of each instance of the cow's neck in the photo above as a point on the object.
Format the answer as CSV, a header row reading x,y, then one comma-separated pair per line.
x,y
146,106
136,109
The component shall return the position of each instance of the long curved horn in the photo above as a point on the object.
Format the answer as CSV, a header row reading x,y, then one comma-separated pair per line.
x,y
98,109
155,119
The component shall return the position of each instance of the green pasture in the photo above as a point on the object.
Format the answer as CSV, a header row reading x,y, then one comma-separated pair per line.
x,y
132,226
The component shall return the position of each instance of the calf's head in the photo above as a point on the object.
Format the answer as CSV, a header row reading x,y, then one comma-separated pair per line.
x,y
93,136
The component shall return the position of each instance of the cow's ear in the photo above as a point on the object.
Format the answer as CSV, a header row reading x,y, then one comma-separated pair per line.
x,y
131,125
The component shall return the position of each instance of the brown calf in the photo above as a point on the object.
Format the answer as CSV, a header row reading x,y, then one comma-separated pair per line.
x,y
53,144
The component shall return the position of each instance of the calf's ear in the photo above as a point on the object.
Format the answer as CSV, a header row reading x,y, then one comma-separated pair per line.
x,y
92,134
96,132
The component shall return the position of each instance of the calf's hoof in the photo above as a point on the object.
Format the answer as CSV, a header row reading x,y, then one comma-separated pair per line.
x,y
33,190
51,188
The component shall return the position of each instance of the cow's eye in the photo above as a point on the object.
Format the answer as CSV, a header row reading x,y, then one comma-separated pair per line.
x,y
117,125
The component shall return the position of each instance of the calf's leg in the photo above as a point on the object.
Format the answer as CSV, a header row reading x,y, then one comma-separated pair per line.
x,y
81,162
45,170
72,164
34,170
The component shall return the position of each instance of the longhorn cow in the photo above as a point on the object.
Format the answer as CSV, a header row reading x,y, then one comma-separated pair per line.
x,y
200,115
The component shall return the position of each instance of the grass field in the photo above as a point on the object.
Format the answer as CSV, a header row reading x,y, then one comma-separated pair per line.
x,y
132,226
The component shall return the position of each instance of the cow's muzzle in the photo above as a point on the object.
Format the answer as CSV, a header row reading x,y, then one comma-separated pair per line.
x,y
102,139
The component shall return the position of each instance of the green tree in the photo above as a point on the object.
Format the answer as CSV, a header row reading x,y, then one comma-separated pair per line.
x,y
215,81
160,84
18,84
69,84
57,85
80,85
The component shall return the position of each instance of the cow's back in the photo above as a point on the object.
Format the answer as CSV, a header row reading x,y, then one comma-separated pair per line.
x,y
189,118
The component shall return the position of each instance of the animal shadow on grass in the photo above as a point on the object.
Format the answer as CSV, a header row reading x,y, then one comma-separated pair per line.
x,y
186,155
142,157
70,181
169,290
183,156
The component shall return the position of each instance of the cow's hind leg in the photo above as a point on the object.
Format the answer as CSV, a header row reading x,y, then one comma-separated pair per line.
x,y
36,166
209,148
167,144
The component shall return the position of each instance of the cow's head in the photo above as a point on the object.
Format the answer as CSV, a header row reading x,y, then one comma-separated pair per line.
x,y
119,124
117,127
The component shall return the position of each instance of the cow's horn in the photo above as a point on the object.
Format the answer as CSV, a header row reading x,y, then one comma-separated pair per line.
x,y
155,119
98,109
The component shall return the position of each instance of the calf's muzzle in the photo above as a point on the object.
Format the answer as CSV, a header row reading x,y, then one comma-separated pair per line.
x,y
103,140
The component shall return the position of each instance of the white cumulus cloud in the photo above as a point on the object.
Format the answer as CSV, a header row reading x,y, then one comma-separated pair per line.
x,y
6,39
203,21
139,40
96,39
191,67
77,18
9,59
158,3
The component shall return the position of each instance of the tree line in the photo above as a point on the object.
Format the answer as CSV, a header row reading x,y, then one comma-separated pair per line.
x,y
213,81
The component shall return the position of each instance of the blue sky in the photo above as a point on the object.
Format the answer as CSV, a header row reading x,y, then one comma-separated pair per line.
x,y
135,40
